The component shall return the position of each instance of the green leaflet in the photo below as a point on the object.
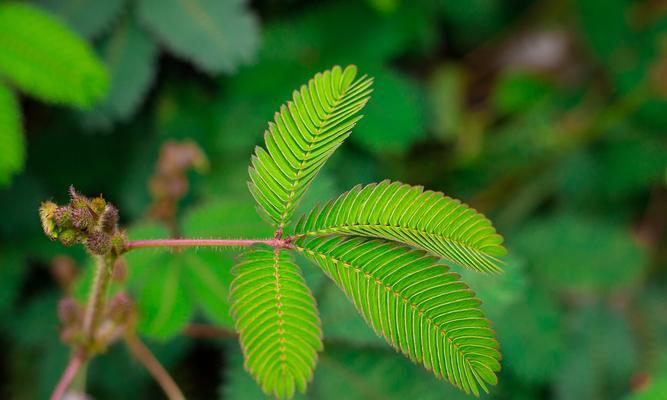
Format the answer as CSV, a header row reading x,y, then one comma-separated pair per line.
x,y
46,60
428,220
217,35
415,303
11,135
88,17
306,132
278,323
130,55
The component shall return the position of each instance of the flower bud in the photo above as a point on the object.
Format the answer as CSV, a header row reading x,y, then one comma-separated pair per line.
x,y
109,219
82,218
69,237
68,311
98,243
120,308
98,205
62,215
46,214
118,242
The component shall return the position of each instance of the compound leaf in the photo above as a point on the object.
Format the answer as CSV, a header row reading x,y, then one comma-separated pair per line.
x,y
415,303
12,142
307,130
45,59
425,219
217,35
278,324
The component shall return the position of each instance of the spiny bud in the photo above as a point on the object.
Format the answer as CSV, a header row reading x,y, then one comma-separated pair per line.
x,y
46,215
68,311
120,308
98,242
82,218
118,242
109,219
77,200
98,205
62,215
69,237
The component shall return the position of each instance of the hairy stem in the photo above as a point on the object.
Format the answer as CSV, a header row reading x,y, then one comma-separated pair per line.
x,y
91,319
161,376
96,298
276,243
75,364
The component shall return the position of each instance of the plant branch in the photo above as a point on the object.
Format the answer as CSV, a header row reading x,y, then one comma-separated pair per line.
x,y
73,367
157,371
96,297
276,243
203,331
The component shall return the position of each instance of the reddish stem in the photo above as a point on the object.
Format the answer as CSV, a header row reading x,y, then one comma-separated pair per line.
x,y
161,376
66,379
276,243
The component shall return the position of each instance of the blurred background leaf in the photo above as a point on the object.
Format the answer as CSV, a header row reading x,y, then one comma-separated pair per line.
x,y
547,116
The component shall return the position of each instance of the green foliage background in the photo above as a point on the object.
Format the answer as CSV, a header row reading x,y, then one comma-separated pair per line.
x,y
548,116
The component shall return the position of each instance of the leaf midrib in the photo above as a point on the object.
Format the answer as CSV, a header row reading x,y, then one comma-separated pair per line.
x,y
300,169
351,227
379,282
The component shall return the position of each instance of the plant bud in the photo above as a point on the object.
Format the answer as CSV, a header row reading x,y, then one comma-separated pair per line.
x,y
98,205
118,242
62,215
98,243
120,308
82,218
69,237
109,219
46,215
64,270
68,311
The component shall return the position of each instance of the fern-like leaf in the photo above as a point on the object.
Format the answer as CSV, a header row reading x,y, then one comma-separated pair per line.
x,y
425,219
277,321
306,131
415,303
45,59
12,143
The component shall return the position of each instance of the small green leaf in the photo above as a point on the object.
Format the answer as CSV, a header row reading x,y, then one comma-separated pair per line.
x,y
88,17
217,35
11,136
130,55
414,302
278,323
429,220
305,133
45,59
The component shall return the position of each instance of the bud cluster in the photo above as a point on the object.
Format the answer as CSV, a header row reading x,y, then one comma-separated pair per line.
x,y
92,222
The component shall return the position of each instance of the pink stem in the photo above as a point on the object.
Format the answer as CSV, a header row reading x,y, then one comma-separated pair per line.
x,y
275,243
73,367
